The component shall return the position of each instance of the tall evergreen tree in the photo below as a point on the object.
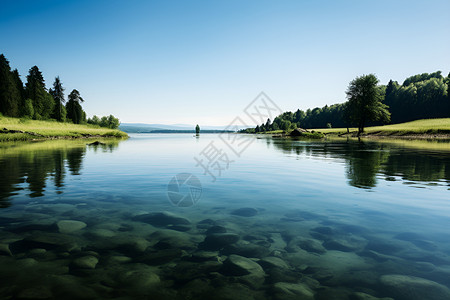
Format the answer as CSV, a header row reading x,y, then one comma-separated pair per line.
x,y
9,95
73,106
58,96
35,90
19,84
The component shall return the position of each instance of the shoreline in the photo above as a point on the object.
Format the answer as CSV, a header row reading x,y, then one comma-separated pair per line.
x,y
15,129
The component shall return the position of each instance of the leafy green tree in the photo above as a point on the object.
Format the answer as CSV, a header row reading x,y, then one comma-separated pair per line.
x,y
73,106
10,97
94,121
365,102
285,125
114,123
104,122
197,129
58,95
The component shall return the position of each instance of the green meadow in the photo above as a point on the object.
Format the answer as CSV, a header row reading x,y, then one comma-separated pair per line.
x,y
52,129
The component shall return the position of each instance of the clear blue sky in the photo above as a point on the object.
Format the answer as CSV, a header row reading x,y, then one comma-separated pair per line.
x,y
204,61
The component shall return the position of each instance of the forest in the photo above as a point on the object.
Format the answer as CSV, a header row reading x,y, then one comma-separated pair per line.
x,y
421,96
33,100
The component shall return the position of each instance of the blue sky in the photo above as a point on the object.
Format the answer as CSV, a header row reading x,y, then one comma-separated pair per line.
x,y
204,61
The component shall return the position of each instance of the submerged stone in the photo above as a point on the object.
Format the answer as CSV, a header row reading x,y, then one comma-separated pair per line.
x,y
309,245
292,291
273,262
161,219
245,212
38,292
403,287
364,296
4,250
238,266
69,226
345,244
219,240
216,229
246,249
86,262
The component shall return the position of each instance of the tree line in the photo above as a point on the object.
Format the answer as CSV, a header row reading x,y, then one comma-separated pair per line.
x,y
421,96
34,101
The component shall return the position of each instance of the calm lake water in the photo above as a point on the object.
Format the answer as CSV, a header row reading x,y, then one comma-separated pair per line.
x,y
285,219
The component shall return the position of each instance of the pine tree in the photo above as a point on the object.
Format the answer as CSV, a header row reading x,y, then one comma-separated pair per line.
x,y
9,95
35,90
58,96
74,110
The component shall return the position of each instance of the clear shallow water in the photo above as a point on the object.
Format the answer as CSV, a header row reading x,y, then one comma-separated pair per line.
x,y
321,220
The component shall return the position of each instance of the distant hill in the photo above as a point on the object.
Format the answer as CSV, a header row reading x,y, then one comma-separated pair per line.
x,y
162,128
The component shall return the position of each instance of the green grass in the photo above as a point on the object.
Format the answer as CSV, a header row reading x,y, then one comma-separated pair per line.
x,y
52,129
418,127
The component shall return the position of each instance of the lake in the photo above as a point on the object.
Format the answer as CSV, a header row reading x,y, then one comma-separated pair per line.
x,y
174,216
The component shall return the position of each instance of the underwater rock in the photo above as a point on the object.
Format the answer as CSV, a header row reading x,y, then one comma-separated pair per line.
x,y
219,240
333,294
69,226
160,257
161,219
246,270
309,245
347,244
186,271
236,291
404,287
216,229
4,250
238,266
205,255
48,241
364,296
321,233
119,259
182,228
85,262
71,287
246,249
389,247
101,233
38,292
273,262
140,276
205,224
292,291
245,212
169,239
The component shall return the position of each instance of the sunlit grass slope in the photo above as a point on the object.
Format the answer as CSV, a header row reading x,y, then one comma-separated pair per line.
x,y
52,129
425,126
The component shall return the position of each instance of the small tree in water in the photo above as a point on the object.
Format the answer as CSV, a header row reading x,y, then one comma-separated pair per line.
x,y
197,129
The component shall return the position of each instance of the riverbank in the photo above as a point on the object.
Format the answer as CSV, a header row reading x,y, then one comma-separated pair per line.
x,y
14,129
419,129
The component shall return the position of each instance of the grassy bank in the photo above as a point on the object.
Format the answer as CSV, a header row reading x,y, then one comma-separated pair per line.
x,y
427,128
39,130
